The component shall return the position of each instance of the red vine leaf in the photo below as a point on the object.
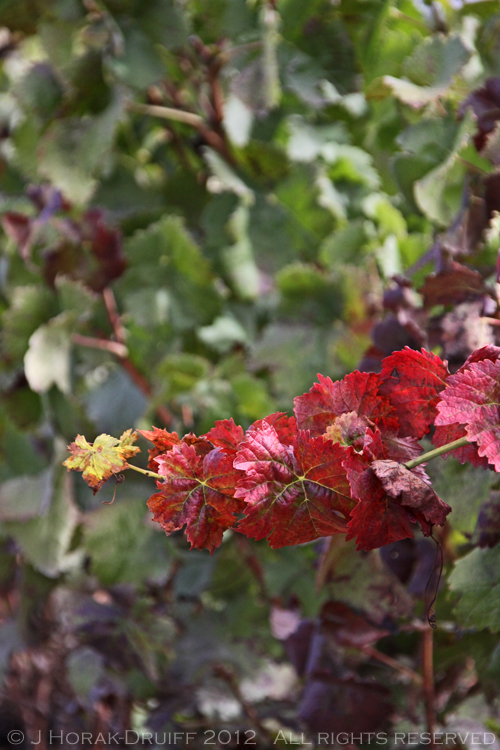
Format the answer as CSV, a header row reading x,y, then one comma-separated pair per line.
x,y
163,442
226,434
489,351
348,627
472,399
413,382
198,492
391,503
98,461
293,493
349,429
377,519
285,426
444,434
357,392
401,449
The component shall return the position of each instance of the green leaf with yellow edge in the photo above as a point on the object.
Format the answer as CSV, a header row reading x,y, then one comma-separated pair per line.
x,y
98,461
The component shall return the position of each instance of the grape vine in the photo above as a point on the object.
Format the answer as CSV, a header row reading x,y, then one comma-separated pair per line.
x,y
348,462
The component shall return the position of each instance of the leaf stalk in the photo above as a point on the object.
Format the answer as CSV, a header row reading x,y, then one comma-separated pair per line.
x,y
146,472
460,443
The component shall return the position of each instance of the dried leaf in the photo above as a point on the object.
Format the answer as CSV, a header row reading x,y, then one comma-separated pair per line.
x,y
412,489
455,284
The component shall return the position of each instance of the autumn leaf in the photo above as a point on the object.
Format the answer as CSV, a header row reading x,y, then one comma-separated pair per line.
x,y
444,434
472,399
199,486
413,382
285,426
293,493
455,284
490,352
349,628
411,489
326,408
377,519
467,454
163,441
391,498
98,461
349,429
226,434
358,392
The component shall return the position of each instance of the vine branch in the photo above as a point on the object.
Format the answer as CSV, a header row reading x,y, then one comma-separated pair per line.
x,y
146,472
428,670
119,350
167,113
460,443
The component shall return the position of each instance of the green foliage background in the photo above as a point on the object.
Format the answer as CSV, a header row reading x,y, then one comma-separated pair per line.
x,y
247,243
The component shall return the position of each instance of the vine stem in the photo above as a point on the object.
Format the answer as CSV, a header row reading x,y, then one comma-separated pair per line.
x,y
146,472
114,347
127,364
460,443
167,113
429,694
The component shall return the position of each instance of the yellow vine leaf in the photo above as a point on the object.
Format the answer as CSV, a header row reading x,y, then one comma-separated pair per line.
x,y
98,461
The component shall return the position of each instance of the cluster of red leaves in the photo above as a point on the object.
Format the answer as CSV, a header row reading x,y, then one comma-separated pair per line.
x,y
339,465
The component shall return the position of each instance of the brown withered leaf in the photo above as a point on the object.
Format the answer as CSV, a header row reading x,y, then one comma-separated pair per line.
x,y
455,284
412,490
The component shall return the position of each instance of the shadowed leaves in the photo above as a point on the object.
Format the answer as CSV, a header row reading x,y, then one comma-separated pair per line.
x,y
455,284
412,489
